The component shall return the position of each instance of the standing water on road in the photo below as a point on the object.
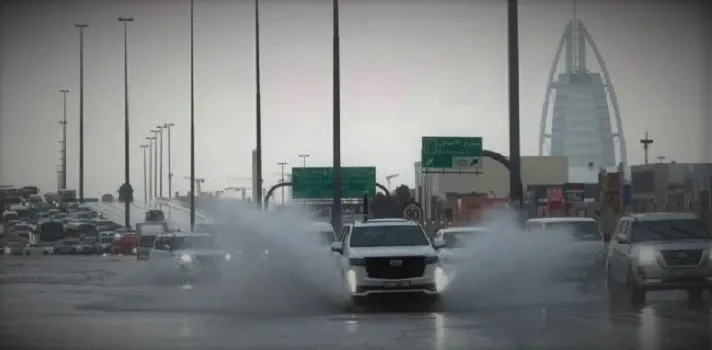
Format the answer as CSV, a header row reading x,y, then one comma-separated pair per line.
x,y
278,265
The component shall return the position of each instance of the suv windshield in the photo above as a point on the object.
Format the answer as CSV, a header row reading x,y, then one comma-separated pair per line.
x,y
582,230
388,236
668,230
193,242
89,240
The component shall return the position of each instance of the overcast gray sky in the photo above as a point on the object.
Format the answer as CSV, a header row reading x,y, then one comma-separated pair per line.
x,y
409,69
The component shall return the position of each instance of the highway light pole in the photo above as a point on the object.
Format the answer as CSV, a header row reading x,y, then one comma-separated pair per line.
x,y
192,120
258,109
336,174
145,190
515,175
160,162
150,166
304,157
282,164
168,126
81,110
155,162
63,122
127,177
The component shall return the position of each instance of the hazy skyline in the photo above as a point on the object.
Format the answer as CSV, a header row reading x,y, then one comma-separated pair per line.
x,y
409,69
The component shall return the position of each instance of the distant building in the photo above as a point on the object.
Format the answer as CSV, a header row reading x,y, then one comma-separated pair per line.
x,y
671,186
494,180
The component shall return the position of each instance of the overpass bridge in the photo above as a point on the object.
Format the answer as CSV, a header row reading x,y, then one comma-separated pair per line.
x,y
177,216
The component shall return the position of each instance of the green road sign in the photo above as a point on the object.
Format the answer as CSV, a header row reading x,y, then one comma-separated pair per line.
x,y
451,152
312,183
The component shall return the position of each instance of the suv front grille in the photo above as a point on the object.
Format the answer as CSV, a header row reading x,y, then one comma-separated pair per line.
x,y
383,268
687,257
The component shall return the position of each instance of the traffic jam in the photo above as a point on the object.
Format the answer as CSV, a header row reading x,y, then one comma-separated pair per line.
x,y
646,253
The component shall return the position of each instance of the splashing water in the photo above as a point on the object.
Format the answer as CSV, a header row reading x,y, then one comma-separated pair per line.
x,y
279,265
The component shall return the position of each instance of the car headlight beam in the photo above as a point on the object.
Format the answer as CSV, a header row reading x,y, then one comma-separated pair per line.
x,y
646,256
440,279
186,258
228,257
351,281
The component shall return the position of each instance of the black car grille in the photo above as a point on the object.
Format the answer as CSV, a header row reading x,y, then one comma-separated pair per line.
x,y
687,257
409,267
207,260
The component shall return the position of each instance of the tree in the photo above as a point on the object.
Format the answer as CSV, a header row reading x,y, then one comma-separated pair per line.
x,y
383,207
402,196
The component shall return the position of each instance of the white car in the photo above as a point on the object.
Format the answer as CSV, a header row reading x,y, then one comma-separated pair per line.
x,y
387,256
456,241
583,251
34,249
324,231
194,254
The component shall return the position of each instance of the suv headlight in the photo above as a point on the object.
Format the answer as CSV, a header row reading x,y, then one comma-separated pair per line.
x,y
228,257
646,256
186,258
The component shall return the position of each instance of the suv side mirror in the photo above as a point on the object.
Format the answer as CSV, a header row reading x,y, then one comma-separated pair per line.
x,y
337,247
438,243
622,239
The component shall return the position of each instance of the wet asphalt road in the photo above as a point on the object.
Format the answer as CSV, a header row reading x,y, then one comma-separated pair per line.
x,y
71,302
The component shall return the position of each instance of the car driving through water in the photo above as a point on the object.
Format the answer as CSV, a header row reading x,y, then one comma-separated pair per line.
x,y
457,239
195,255
389,256
578,249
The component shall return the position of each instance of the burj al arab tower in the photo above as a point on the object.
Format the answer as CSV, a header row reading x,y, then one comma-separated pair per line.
x,y
583,109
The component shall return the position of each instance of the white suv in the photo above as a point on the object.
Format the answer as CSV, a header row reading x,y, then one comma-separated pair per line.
x,y
389,256
195,254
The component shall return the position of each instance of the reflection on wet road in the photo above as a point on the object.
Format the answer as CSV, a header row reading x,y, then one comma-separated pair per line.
x,y
53,302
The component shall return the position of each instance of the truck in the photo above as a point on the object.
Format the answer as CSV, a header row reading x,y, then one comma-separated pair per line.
x,y
146,233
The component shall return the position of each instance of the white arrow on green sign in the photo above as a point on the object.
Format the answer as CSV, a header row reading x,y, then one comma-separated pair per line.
x,y
451,152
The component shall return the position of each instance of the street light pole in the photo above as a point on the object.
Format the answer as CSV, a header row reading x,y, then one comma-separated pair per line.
x,y
304,157
81,110
127,177
150,166
170,174
282,164
258,109
192,120
336,172
160,162
63,122
515,176
145,190
155,162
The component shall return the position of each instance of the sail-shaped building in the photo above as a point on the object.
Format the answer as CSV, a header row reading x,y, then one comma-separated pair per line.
x,y
585,122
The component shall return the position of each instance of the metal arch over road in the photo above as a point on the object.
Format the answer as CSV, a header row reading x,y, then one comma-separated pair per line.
x,y
504,161
269,193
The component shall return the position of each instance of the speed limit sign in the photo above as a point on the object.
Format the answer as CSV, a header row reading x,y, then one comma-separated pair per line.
x,y
413,212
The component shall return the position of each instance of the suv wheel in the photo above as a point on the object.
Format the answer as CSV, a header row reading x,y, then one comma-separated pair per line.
x,y
635,293
358,300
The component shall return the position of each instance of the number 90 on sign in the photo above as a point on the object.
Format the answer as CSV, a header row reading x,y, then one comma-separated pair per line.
x,y
412,212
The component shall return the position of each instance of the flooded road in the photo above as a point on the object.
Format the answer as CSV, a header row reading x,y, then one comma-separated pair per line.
x,y
71,302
